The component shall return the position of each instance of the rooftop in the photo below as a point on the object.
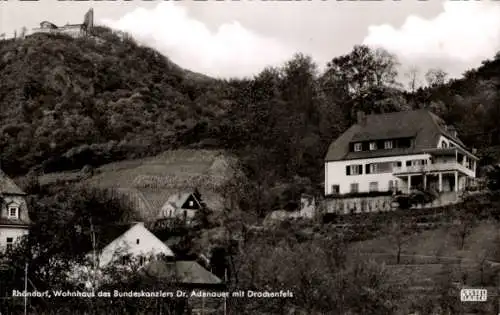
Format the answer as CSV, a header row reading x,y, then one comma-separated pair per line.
x,y
186,272
7,185
422,125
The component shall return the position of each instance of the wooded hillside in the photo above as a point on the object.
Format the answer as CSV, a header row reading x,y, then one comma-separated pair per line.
x,y
66,102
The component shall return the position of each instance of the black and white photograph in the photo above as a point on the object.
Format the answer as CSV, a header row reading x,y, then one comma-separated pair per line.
x,y
250,157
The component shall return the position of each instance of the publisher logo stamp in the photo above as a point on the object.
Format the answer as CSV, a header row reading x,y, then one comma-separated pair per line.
x,y
473,295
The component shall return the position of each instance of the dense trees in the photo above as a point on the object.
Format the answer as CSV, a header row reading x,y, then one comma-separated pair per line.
x,y
82,106
68,104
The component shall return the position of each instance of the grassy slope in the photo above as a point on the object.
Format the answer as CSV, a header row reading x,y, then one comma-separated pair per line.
x,y
430,255
169,172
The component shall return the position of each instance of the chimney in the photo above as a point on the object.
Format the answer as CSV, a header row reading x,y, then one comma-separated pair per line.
x,y
361,117
452,131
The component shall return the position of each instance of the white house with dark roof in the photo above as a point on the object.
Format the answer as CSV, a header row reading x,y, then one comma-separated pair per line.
x,y
397,152
181,205
117,246
14,217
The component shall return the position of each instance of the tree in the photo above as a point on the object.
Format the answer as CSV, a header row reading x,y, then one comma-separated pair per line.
x,y
435,77
465,221
360,78
412,75
493,177
23,32
400,231
363,68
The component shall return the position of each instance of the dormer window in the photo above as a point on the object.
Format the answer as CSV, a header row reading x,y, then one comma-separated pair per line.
x,y
13,212
444,145
357,147
388,144
373,146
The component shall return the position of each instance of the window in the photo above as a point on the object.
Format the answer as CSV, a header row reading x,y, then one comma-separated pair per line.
x,y
388,144
391,185
373,186
191,203
137,241
357,169
354,169
363,205
125,259
357,147
418,162
10,242
372,168
373,146
444,144
354,187
335,189
14,212
142,260
408,163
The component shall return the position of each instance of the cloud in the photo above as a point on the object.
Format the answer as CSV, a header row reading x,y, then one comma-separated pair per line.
x,y
463,35
231,51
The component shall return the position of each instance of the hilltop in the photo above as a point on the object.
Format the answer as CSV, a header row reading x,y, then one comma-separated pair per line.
x,y
68,102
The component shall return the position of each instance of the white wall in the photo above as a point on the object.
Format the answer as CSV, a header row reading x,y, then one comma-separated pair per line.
x,y
169,211
13,232
447,141
336,174
148,245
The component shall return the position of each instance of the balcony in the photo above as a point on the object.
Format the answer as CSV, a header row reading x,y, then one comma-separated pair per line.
x,y
433,168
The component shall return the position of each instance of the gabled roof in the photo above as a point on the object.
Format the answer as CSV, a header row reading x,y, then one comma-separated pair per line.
x,y
111,233
186,272
8,187
178,199
52,25
422,125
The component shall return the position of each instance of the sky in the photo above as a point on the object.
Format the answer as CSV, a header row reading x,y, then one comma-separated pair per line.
x,y
240,38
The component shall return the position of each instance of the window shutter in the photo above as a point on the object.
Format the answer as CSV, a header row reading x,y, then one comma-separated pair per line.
x,y
347,170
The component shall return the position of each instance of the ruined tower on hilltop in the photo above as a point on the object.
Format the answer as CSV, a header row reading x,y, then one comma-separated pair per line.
x,y
75,30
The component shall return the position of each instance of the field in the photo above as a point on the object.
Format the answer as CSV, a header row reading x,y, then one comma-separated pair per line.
x,y
433,258
149,182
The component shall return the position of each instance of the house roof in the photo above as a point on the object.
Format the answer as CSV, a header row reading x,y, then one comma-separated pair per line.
x,y
179,198
13,222
422,125
149,201
111,233
173,240
186,272
7,185
52,25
